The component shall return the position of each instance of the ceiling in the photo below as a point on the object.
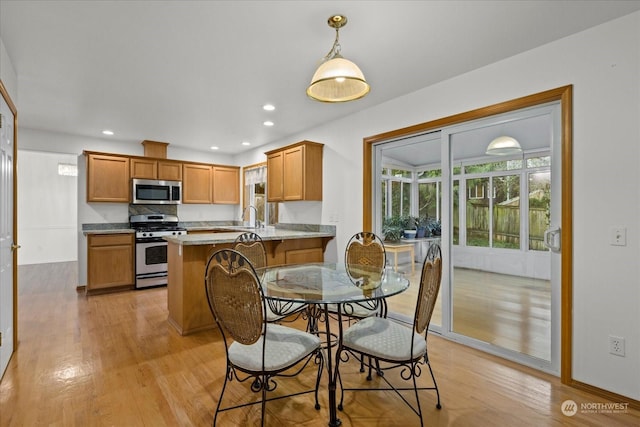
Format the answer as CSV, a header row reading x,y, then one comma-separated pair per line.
x,y
532,131
197,73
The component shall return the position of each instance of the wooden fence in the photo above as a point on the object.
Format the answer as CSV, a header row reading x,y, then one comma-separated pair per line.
x,y
506,226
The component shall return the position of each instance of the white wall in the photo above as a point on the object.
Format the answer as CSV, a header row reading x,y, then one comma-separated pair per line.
x,y
47,206
603,65
8,74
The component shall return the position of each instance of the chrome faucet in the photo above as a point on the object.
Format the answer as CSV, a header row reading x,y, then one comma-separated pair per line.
x,y
256,223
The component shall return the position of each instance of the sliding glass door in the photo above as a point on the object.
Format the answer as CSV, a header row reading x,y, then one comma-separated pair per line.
x,y
500,286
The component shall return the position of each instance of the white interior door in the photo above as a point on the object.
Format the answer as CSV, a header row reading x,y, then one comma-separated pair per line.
x,y
7,244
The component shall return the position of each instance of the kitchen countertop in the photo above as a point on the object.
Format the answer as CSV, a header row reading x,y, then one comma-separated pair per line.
x,y
108,230
278,232
268,233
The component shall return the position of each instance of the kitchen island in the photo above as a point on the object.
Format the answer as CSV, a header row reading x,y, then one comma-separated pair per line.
x,y
187,258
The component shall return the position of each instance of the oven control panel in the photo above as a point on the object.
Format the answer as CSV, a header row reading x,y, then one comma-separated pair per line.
x,y
159,233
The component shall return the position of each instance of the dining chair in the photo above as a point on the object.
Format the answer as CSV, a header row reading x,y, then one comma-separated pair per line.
x,y
256,350
393,345
364,257
252,247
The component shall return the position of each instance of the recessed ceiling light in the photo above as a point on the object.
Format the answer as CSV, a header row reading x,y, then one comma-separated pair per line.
x,y
268,107
268,123
107,132
246,143
214,147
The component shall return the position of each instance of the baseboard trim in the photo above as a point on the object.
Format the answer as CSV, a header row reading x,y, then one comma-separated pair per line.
x,y
614,397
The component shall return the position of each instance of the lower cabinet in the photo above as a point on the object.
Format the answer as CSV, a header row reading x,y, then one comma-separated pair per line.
x,y
295,251
110,261
189,310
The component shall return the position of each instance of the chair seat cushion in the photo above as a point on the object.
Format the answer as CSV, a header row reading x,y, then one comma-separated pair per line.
x,y
285,346
384,338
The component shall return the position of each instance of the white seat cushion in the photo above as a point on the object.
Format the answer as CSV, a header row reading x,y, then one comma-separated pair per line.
x,y
284,347
384,338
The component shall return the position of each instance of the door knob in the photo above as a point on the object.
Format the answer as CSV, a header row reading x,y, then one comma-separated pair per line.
x,y
14,247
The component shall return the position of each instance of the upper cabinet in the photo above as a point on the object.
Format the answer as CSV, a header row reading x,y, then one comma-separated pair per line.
x,y
275,190
144,168
226,184
107,178
147,168
294,172
196,183
169,170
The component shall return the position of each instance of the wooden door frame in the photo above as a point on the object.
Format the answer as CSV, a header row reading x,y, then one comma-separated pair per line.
x,y
562,94
14,110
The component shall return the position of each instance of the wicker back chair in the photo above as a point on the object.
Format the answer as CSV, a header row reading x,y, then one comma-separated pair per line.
x,y
259,351
365,257
365,251
252,247
391,345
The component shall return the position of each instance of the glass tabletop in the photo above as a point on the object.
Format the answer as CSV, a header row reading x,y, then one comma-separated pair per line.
x,y
329,283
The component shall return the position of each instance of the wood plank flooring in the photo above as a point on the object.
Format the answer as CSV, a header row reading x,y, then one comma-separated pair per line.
x,y
507,311
112,360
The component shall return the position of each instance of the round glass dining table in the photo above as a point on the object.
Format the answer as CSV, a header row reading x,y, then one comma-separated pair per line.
x,y
324,285
329,283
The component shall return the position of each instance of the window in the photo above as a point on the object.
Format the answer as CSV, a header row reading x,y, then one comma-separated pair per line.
x,y
494,209
429,193
506,212
539,208
477,203
494,214
255,194
396,192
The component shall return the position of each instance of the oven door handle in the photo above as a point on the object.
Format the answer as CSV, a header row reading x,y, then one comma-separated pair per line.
x,y
150,240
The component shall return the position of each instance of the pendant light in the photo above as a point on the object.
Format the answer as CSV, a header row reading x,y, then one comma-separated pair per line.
x,y
503,146
337,79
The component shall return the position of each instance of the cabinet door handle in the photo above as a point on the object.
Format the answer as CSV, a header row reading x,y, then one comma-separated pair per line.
x,y
14,247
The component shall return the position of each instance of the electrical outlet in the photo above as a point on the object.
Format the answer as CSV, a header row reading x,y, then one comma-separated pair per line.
x,y
619,236
616,345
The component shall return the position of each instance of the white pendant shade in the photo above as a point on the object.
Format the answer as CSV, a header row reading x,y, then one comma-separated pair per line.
x,y
338,80
504,145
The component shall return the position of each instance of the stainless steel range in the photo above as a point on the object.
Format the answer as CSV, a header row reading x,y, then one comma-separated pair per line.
x,y
151,248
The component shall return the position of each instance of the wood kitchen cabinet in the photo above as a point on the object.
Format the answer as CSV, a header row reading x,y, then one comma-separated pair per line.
x,y
110,262
294,172
107,178
169,170
197,183
144,168
275,190
189,311
226,184
147,168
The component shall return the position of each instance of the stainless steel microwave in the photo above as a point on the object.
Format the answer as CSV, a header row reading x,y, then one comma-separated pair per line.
x,y
156,192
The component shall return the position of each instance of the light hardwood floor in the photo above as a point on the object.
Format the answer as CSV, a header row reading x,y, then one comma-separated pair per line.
x,y
112,360
507,311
